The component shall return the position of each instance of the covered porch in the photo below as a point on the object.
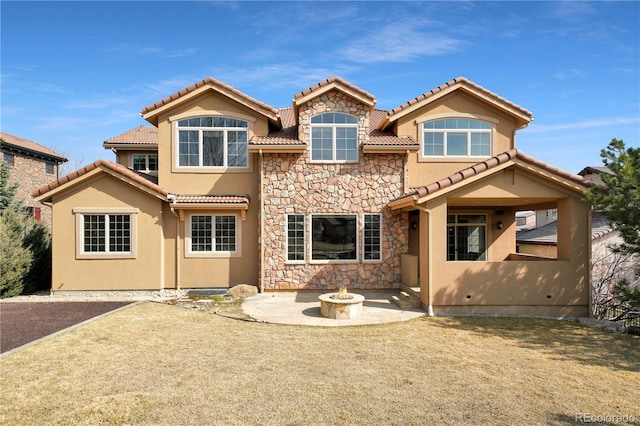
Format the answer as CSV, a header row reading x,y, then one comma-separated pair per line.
x,y
462,256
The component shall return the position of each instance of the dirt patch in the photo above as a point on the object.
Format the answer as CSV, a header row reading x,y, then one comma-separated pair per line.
x,y
222,305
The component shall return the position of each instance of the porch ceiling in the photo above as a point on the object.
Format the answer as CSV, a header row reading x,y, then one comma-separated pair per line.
x,y
519,203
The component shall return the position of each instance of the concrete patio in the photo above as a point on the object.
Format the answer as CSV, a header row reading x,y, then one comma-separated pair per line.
x,y
303,308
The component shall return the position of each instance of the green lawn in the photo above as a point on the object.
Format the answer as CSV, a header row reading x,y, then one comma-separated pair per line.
x,y
161,364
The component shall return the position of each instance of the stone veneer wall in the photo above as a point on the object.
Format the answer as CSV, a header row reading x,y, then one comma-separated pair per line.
x,y
293,185
30,173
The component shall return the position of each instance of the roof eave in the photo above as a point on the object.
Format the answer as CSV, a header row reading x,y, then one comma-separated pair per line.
x,y
391,149
34,153
277,148
153,113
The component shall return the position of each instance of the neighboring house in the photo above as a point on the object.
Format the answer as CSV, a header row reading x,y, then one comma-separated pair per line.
x,y
329,192
543,241
525,220
607,265
593,173
32,165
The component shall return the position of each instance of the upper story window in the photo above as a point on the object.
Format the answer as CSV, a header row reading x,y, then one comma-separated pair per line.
x,y
212,142
49,168
8,158
456,137
145,162
334,138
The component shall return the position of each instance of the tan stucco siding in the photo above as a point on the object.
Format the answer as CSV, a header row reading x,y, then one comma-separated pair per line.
x,y
457,105
544,250
219,270
203,181
103,193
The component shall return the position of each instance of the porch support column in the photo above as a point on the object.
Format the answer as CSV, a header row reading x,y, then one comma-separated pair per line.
x,y
425,259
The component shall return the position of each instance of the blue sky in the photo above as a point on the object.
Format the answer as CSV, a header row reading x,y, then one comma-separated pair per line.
x,y
74,74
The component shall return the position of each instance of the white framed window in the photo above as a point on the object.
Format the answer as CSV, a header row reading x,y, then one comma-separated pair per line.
x,y
372,237
105,234
334,237
146,163
213,142
466,237
334,138
295,238
456,137
213,235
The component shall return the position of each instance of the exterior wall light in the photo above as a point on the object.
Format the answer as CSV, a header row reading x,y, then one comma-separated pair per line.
x,y
500,224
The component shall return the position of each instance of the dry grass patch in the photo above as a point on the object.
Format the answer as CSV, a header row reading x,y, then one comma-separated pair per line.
x,y
161,364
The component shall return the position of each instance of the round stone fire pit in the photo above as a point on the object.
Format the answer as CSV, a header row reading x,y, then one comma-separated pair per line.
x,y
341,305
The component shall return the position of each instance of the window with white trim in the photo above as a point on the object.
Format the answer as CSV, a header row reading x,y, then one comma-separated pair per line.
x,y
145,162
334,138
372,236
334,237
466,237
456,137
213,234
106,233
295,238
213,142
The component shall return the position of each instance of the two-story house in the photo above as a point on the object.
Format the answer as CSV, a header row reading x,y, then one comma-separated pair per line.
x,y
32,165
329,192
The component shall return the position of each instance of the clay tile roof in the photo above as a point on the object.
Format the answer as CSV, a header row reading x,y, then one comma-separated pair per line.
x,y
147,181
30,147
141,135
378,138
489,164
208,81
287,117
287,136
331,80
459,81
240,200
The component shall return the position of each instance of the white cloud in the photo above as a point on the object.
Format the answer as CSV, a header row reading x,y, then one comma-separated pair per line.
x,y
400,42
134,49
614,121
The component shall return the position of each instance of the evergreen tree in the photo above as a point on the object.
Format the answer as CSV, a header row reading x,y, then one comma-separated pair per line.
x,y
619,200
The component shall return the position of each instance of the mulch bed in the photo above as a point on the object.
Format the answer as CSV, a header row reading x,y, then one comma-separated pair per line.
x,y
24,322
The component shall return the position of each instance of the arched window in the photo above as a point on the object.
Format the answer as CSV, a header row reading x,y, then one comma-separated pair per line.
x,y
334,138
212,142
456,137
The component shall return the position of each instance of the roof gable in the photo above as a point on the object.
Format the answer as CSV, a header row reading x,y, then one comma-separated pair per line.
x,y
140,137
141,181
29,147
151,112
333,83
486,168
521,115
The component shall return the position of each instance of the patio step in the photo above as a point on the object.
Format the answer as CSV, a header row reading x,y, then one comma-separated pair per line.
x,y
406,300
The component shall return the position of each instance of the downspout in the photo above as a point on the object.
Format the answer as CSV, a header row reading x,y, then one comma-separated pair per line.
x,y
429,268
261,277
172,201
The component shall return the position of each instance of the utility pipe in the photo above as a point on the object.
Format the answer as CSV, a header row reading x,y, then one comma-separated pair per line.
x,y
261,174
429,268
